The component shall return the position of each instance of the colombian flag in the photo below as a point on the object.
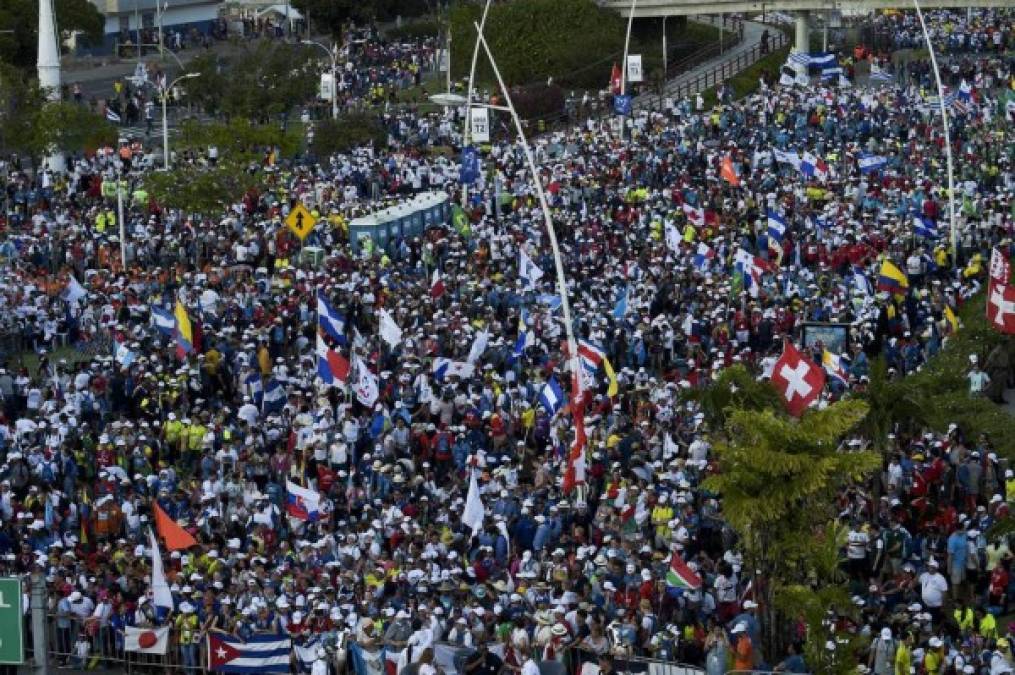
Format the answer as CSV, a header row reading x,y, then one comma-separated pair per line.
x,y
184,332
892,279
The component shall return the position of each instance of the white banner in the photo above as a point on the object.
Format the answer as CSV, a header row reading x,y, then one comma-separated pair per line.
x,y
480,130
634,68
327,90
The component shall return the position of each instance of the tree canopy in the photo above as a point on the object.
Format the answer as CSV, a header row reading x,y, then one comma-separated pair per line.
x,y
21,17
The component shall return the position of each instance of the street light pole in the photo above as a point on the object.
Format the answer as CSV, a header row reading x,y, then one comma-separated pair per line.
x,y
332,54
623,67
165,118
948,137
467,131
120,221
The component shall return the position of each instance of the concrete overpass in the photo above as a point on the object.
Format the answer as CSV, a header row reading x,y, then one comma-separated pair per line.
x,y
647,9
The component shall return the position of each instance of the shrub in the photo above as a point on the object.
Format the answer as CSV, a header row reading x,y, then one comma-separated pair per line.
x,y
346,133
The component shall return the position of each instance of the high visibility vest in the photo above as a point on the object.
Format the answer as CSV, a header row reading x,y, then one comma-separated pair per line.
x,y
964,619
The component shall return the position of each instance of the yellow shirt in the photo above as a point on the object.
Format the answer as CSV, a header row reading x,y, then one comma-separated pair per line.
x,y
903,659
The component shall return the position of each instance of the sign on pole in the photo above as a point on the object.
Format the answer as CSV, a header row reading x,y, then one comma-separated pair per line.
x,y
12,640
300,221
327,87
634,68
480,125
622,104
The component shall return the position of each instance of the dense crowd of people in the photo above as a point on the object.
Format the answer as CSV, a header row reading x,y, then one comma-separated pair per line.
x,y
453,337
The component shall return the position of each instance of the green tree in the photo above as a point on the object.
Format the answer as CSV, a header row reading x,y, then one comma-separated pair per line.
x,y
239,139
267,80
891,403
349,131
734,389
19,47
778,479
207,90
202,190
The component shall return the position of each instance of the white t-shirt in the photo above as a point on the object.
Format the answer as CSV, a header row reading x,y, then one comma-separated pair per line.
x,y
933,587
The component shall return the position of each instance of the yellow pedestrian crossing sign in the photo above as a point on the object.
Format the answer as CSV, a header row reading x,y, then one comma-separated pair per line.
x,y
300,221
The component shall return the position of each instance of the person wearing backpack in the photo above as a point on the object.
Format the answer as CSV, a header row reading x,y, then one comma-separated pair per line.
x,y
882,653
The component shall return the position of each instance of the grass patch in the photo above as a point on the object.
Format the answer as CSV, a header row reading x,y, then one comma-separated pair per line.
x,y
745,82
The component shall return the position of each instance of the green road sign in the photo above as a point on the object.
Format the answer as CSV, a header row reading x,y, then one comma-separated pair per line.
x,y
12,641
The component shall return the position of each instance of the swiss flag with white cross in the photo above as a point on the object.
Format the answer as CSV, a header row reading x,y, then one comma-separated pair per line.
x,y
798,379
1001,307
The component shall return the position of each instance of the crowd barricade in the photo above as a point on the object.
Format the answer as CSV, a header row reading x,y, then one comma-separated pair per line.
x,y
586,663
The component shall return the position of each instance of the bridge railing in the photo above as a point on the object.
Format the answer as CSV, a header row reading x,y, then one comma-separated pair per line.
x,y
733,35
719,73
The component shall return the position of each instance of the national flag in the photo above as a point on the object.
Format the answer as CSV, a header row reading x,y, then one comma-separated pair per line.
x,y
444,368
877,74
868,162
306,653
787,157
831,72
524,339
366,662
679,575
861,282
175,537
162,596
469,169
953,320
436,285
797,379
593,358
460,220
112,116
672,237
122,354
750,267
620,309
833,366
478,347
73,291
184,332
254,388
776,226
799,59
474,511
146,640
528,270
1001,307
275,397
364,382
302,503
616,80
550,300
574,471
703,256
389,330
694,215
330,321
892,279
965,91
258,653
1000,266
821,59
925,227
552,396
813,166
728,173
332,367
163,320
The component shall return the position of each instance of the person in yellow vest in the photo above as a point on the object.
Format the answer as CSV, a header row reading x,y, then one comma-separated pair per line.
x,y
662,514
964,618
171,431
100,222
986,625
264,359
187,632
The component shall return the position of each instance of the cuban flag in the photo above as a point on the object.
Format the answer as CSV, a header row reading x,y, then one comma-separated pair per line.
x,y
275,397
925,227
813,166
695,216
302,503
703,256
868,162
552,396
331,322
332,367
254,388
261,653
776,226
164,321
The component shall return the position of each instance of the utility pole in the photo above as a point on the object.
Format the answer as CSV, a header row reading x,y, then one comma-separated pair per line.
x,y
40,640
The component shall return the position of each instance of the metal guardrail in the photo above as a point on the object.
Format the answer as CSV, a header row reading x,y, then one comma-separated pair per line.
x,y
719,73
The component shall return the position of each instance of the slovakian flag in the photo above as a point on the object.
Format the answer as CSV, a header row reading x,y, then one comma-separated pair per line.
x,y
332,367
302,503
258,654
681,576
437,285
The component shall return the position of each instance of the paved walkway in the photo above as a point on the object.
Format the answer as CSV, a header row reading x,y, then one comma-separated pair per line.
x,y
752,38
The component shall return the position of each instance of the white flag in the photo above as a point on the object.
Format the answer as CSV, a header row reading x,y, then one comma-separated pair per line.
x,y
74,290
146,640
474,511
528,270
478,346
673,237
161,595
364,382
390,332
